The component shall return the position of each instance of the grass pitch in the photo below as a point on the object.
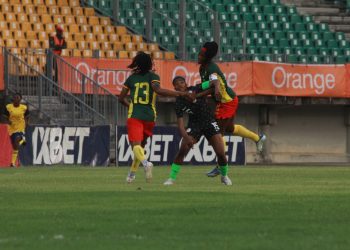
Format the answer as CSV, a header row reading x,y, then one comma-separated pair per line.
x,y
93,208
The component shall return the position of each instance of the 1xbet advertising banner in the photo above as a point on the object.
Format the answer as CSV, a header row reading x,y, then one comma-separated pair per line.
x,y
162,147
66,145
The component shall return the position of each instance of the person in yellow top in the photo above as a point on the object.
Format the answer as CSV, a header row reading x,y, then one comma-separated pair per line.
x,y
17,116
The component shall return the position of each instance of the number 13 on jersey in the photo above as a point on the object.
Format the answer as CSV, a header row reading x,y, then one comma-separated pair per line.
x,y
142,93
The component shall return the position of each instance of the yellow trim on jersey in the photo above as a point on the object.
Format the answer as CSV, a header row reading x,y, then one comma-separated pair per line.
x,y
155,81
225,97
154,105
131,108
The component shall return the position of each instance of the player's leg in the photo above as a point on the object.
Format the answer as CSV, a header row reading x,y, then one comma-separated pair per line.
x,y
134,166
135,129
225,125
15,139
178,161
195,135
219,149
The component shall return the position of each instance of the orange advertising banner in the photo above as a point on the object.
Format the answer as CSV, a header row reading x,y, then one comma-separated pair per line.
x,y
299,80
245,78
2,81
112,73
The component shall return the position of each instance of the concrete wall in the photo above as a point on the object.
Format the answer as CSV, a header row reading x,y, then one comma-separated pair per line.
x,y
296,134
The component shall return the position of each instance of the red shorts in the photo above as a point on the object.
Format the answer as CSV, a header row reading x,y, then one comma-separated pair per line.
x,y
226,110
138,130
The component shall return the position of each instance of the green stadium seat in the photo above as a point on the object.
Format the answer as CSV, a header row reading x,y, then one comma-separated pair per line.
x,y
287,51
283,43
292,59
283,18
316,35
259,18
303,35
234,17
263,26
275,26
263,50
252,26
319,43
336,52
299,26
275,51
279,34
311,27
307,43
344,44
298,51
248,17
294,43
295,19
346,52
341,60
281,10
243,9
256,9
303,59
267,58
322,27
267,34
292,35
268,9
231,8
323,51
271,42
292,10
315,59
271,18
340,36
327,35
311,51
286,26
264,2
307,19
332,43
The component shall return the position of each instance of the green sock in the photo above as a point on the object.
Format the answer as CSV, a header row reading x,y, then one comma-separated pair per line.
x,y
174,171
223,170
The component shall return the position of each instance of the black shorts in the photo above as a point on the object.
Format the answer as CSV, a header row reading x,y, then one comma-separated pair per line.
x,y
208,129
15,135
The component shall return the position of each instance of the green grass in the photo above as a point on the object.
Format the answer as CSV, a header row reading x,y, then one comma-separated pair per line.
x,y
93,208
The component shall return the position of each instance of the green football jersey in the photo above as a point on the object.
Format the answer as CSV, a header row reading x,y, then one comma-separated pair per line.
x,y
143,98
211,72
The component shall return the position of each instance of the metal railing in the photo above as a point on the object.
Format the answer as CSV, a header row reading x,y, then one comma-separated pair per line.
x,y
45,96
85,87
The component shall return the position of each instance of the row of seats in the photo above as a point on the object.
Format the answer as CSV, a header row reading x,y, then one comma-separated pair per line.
x,y
30,23
42,2
253,23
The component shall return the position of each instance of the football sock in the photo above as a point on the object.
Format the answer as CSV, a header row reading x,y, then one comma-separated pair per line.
x,y
224,170
175,168
244,132
139,153
135,165
14,157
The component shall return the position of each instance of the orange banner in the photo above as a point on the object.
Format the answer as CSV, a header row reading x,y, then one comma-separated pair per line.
x,y
2,81
246,78
299,79
112,73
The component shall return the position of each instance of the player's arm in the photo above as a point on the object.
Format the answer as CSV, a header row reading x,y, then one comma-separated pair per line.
x,y
123,97
213,83
167,92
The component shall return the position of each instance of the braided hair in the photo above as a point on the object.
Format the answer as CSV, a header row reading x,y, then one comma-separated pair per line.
x,y
142,63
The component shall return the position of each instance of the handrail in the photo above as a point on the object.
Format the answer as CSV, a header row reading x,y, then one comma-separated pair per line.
x,y
22,77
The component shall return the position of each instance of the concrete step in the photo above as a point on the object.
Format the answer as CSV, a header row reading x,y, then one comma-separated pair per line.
x,y
340,27
318,11
333,19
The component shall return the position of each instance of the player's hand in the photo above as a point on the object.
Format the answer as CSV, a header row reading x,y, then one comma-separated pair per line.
x,y
189,96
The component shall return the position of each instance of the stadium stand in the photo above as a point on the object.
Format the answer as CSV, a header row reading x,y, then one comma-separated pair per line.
x,y
252,29
28,24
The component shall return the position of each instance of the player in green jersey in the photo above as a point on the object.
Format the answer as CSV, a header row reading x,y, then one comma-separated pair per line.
x,y
143,85
226,99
